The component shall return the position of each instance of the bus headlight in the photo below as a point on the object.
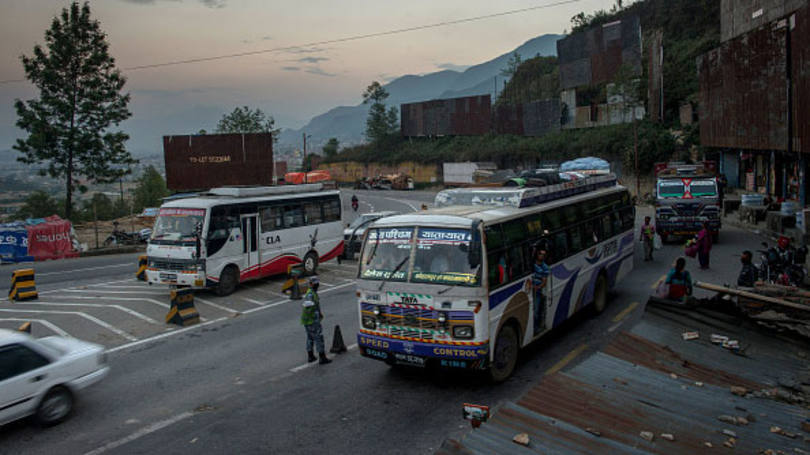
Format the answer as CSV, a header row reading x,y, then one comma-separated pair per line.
x,y
369,323
376,311
442,318
463,331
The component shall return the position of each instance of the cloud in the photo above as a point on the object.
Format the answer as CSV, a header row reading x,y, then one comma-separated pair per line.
x,y
452,66
319,72
291,68
266,38
312,59
213,3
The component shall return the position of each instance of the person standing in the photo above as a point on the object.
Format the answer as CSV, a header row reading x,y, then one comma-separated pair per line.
x,y
679,281
704,243
311,317
748,274
539,282
648,238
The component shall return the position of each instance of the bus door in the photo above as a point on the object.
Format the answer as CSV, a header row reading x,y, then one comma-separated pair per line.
x,y
542,298
250,240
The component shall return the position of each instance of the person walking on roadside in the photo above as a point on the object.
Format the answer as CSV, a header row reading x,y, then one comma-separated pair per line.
x,y
748,274
648,238
679,281
311,317
704,243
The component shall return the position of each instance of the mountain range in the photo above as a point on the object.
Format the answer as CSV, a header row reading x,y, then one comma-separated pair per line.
x,y
347,123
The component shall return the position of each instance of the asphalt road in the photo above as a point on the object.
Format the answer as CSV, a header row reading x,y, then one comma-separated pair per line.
x,y
240,384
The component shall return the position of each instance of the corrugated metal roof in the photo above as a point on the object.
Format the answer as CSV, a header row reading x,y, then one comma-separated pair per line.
x,y
645,380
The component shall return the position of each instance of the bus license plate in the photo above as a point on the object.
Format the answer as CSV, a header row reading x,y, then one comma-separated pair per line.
x,y
409,359
168,277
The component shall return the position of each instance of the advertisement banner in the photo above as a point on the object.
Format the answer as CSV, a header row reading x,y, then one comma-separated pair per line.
x,y
51,239
14,245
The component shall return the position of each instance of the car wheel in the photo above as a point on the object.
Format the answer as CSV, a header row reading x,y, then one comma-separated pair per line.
x,y
55,406
311,263
505,358
228,280
600,291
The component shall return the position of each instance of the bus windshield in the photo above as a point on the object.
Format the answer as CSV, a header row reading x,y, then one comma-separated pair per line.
x,y
442,257
176,225
386,254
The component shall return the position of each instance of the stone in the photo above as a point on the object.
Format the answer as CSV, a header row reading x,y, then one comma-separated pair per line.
x,y
730,443
740,391
708,444
593,431
730,433
668,436
522,439
647,435
727,419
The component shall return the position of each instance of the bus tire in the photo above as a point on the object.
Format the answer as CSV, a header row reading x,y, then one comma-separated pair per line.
x,y
600,292
228,280
505,354
311,263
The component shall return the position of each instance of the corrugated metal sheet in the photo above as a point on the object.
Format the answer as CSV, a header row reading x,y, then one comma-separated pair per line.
x,y
593,56
281,168
738,17
800,49
743,99
448,117
211,160
535,118
645,380
655,74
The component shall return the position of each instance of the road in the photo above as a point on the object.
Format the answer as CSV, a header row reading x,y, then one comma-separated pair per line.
x,y
238,383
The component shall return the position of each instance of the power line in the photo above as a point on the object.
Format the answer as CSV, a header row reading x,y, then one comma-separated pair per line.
x,y
339,40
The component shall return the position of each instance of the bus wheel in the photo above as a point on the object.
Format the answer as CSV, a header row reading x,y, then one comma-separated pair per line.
x,y
228,280
505,358
600,292
311,263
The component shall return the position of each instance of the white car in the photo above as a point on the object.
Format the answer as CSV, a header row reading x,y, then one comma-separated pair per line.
x,y
353,234
40,376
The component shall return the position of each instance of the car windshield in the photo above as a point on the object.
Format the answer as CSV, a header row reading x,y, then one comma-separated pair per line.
x,y
702,188
670,188
386,254
177,225
442,257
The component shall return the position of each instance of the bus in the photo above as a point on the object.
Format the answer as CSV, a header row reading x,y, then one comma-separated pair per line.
x,y
231,235
452,286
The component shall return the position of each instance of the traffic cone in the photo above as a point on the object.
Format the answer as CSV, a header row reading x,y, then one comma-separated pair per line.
x,y
338,346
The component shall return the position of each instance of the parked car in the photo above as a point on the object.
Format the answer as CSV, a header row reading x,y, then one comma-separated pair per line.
x,y
353,234
41,376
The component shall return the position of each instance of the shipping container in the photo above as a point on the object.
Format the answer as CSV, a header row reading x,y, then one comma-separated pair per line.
x,y
466,116
196,162
800,63
738,17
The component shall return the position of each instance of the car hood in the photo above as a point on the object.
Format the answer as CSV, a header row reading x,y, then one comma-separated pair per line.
x,y
67,345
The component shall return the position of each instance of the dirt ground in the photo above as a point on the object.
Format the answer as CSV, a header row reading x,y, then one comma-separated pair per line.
x,y
87,234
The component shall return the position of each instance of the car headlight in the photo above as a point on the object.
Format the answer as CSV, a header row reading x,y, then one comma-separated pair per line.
x,y
463,331
369,323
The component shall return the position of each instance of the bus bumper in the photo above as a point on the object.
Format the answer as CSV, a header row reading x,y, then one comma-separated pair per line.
x,y
172,278
405,352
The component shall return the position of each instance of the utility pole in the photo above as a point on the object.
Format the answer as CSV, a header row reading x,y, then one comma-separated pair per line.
x,y
304,162
635,152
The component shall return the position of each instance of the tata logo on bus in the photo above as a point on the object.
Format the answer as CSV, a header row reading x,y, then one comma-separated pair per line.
x,y
272,240
409,300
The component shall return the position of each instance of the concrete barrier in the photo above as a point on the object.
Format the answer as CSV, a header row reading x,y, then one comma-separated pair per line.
x,y
23,286
182,311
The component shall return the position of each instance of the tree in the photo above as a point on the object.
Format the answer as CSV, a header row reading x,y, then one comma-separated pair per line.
x,y
150,189
380,124
103,206
245,120
512,65
79,101
38,204
331,147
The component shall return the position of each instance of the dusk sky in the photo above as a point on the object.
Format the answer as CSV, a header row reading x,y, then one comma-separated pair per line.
x,y
293,86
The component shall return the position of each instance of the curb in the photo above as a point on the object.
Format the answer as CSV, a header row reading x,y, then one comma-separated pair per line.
x,y
114,250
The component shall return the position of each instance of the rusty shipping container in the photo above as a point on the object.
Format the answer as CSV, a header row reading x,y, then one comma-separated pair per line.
x,y
535,118
195,162
593,56
738,17
743,91
466,116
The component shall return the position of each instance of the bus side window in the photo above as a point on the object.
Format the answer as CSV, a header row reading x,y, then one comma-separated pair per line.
x,y
271,218
312,213
516,262
497,268
607,227
575,236
627,218
331,209
494,237
559,246
616,220
293,216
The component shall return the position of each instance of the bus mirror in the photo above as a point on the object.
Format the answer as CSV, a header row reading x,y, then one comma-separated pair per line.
x,y
474,252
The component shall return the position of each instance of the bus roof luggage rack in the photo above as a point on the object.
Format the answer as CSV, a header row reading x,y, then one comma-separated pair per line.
x,y
522,197
254,191
681,169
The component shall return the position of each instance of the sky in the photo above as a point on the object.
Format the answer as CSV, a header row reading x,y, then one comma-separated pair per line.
x,y
291,85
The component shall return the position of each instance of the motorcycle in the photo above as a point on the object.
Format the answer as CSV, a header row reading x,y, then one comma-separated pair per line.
x,y
355,204
783,265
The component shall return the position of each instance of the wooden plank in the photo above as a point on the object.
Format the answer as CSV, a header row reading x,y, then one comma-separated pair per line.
x,y
751,295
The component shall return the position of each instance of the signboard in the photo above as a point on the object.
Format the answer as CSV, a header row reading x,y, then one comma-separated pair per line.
x,y
206,161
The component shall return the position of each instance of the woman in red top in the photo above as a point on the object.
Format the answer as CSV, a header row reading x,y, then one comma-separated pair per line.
x,y
704,243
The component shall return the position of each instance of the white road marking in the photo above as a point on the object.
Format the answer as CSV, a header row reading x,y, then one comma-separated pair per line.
x,y
85,286
98,291
140,433
309,364
47,324
95,305
223,308
109,327
126,299
265,291
166,335
402,201
255,302
129,264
